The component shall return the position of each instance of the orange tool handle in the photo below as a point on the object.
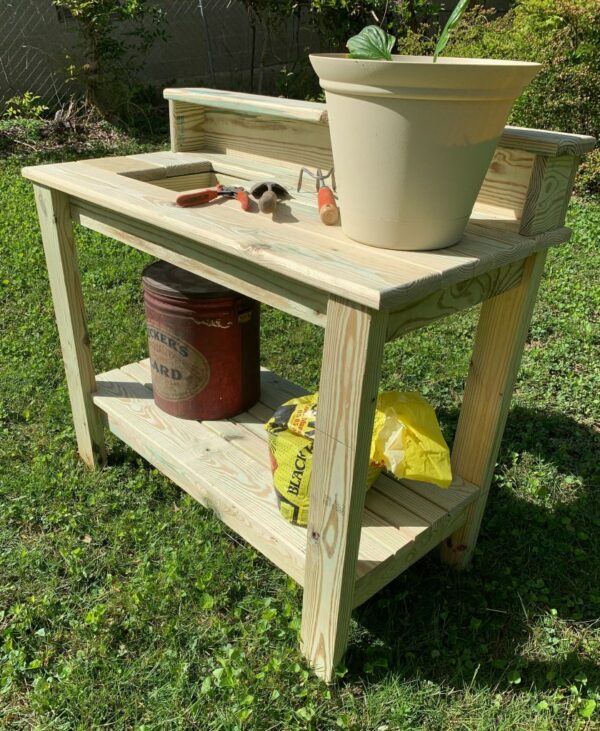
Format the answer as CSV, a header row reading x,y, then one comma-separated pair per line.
x,y
244,199
196,197
329,213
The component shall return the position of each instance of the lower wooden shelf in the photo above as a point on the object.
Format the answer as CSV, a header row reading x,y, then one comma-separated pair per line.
x,y
225,465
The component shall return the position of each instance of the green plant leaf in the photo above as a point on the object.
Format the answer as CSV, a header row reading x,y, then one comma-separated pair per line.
x,y
373,43
514,677
206,685
587,708
457,14
207,601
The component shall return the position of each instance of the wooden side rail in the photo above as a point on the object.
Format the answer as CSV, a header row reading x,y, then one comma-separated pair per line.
x,y
536,141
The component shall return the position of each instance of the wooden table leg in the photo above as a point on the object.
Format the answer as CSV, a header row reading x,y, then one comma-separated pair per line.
x,y
352,354
63,272
501,333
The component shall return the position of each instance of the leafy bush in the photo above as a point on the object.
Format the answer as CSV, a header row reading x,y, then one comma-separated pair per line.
x,y
335,21
115,36
26,106
564,36
339,19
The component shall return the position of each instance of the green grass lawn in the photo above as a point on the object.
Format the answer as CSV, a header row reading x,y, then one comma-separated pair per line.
x,y
126,605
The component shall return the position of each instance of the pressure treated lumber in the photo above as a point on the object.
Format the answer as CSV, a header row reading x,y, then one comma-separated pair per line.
x,y
453,299
352,356
355,543
501,333
316,257
225,465
534,140
249,279
499,342
507,180
250,103
65,284
186,126
546,142
549,192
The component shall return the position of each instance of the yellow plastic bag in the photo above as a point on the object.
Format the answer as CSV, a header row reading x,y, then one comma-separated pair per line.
x,y
406,440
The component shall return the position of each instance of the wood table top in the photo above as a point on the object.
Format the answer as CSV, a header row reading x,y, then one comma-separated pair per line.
x,y
293,243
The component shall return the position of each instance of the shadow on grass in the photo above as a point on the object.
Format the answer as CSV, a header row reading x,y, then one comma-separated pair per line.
x,y
532,596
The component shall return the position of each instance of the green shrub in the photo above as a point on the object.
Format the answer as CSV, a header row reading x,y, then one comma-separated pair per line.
x,y
26,106
564,36
114,39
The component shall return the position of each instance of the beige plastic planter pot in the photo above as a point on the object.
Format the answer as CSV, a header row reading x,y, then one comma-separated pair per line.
x,y
412,141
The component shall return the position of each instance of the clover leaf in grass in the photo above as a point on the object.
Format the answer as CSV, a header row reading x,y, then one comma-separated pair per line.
x,y
371,43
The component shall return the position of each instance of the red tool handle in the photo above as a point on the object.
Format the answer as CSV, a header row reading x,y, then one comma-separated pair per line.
x,y
196,197
329,213
244,199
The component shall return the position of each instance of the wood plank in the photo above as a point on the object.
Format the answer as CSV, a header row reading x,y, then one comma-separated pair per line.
x,y
549,192
305,252
247,434
545,142
285,295
495,216
250,104
499,342
453,299
169,163
65,284
533,140
507,180
206,465
383,573
399,523
414,502
187,182
274,140
186,122
352,354
500,338
124,165
459,494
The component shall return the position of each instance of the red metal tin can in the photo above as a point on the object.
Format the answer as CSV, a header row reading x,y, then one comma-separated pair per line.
x,y
204,344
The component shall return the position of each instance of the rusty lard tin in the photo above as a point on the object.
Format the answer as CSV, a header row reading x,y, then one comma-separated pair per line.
x,y
204,344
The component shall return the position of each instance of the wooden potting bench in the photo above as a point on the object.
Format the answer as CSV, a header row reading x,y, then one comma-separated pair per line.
x,y
355,543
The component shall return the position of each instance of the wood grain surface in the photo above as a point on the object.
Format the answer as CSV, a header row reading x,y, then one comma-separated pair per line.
x,y
549,193
186,122
203,459
534,140
352,355
453,299
497,352
316,257
65,284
